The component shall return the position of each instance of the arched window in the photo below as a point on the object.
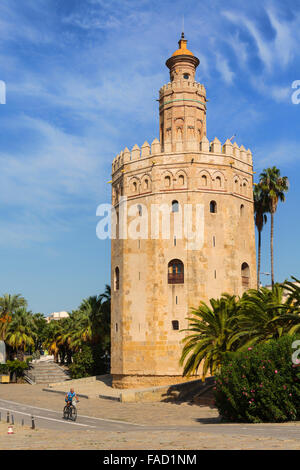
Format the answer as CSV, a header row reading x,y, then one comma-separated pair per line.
x,y
117,278
213,207
236,185
175,206
146,183
134,186
218,182
175,272
245,271
181,180
242,210
204,180
140,210
167,181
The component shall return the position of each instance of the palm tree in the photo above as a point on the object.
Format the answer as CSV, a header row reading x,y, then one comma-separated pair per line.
x,y
264,315
215,332
274,186
95,321
41,330
292,290
51,343
260,209
21,332
8,305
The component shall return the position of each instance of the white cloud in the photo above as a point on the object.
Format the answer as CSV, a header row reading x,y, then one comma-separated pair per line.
x,y
278,153
224,69
265,52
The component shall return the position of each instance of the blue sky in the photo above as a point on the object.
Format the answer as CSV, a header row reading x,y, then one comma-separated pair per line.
x,y
82,81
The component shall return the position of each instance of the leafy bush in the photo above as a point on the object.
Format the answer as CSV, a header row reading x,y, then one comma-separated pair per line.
x,y
3,369
87,362
17,368
260,384
28,360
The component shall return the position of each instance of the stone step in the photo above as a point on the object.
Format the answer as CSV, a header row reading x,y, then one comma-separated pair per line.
x,y
44,373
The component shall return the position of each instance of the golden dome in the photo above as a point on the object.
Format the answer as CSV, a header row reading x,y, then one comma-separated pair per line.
x,y
182,48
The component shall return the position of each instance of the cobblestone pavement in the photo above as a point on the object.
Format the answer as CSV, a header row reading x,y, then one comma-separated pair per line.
x,y
41,439
209,434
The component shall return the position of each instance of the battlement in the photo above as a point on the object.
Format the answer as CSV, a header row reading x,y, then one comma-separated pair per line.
x,y
183,84
214,147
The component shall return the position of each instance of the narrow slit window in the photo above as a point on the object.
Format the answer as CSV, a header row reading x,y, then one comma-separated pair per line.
x,y
117,278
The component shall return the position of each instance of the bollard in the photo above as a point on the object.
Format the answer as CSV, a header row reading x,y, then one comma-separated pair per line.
x,y
12,420
7,417
22,422
32,423
10,430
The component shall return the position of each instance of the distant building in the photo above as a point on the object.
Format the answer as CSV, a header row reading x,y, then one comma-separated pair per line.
x,y
56,316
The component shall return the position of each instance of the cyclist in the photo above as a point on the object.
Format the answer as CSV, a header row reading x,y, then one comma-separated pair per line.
x,y
71,397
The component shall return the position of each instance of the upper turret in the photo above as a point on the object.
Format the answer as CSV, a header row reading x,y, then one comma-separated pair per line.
x,y
182,63
182,104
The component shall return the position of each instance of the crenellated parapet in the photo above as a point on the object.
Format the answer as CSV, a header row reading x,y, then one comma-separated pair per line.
x,y
227,154
186,85
137,153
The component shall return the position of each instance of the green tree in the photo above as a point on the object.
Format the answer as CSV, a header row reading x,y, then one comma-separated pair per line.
x,y
274,187
264,315
21,332
292,290
51,343
214,332
260,217
40,325
8,305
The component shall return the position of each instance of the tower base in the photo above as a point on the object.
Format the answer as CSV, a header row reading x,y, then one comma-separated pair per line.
x,y
144,381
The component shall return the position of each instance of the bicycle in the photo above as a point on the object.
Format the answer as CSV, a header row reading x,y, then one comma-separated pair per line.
x,y
70,412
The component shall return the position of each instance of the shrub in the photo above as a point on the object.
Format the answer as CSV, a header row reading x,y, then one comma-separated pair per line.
x,y
260,384
28,360
17,368
87,362
3,369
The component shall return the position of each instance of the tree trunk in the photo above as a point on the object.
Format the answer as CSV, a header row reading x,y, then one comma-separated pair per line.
x,y
20,355
272,248
259,258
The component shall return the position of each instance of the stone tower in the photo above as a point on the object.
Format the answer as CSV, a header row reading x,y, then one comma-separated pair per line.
x,y
156,278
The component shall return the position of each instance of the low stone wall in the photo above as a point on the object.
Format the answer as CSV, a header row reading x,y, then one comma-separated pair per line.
x,y
167,393
144,381
74,382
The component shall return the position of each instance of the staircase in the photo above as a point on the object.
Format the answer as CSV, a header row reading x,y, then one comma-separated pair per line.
x,y
45,373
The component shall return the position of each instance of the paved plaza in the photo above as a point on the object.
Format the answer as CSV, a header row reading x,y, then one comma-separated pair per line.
x,y
105,424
